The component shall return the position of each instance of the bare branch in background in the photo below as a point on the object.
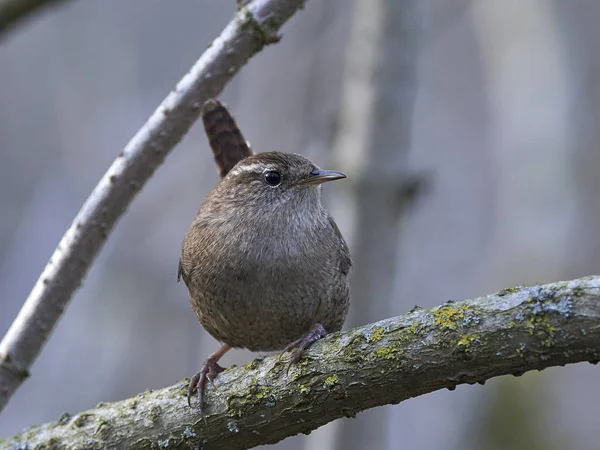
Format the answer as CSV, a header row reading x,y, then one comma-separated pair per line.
x,y
252,27
14,11
511,332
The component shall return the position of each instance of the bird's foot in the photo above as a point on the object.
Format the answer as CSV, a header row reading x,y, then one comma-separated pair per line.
x,y
300,345
209,371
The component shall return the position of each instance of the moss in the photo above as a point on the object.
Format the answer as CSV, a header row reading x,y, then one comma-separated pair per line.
x,y
53,443
507,291
541,313
64,418
331,381
540,327
302,363
249,25
103,429
415,329
155,413
446,317
81,419
383,352
375,334
263,392
388,352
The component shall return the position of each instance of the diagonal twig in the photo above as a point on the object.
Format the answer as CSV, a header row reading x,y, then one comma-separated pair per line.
x,y
14,11
471,341
252,27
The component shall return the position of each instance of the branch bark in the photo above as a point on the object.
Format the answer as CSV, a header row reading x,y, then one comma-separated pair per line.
x,y
252,27
13,11
511,332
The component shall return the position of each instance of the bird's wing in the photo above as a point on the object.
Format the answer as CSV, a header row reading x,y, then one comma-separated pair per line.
x,y
344,253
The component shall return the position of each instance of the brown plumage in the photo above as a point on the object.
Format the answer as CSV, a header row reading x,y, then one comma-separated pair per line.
x,y
265,264
225,138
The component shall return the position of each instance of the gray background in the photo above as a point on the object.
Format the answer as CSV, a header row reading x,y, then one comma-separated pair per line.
x,y
505,123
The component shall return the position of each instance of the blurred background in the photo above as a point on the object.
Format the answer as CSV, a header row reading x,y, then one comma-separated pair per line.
x,y
495,103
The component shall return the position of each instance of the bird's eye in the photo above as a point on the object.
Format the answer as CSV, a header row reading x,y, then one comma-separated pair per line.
x,y
272,177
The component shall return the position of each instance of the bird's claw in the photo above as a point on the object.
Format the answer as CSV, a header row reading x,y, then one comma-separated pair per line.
x,y
301,344
209,371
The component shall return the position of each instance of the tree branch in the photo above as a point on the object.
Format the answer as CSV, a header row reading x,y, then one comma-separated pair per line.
x,y
511,332
13,11
253,26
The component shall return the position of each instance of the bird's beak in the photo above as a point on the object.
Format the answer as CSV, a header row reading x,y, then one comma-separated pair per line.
x,y
319,176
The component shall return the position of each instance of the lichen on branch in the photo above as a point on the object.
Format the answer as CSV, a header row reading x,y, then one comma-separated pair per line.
x,y
511,332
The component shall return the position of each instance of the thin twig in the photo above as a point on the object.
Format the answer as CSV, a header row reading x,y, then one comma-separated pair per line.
x,y
14,11
511,332
252,27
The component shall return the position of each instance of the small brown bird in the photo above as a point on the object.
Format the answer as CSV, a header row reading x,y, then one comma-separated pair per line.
x,y
265,265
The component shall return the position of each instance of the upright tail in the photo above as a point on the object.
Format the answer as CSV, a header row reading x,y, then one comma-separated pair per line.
x,y
226,140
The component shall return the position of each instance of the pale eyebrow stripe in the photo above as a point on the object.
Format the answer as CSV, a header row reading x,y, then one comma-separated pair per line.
x,y
254,167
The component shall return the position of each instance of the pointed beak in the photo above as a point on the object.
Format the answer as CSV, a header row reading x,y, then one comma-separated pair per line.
x,y
322,176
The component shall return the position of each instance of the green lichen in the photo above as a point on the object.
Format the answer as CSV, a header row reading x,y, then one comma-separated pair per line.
x,y
155,413
466,340
506,291
263,392
408,334
541,314
416,328
103,429
388,352
375,334
383,352
304,389
81,419
447,316
265,396
251,365
64,418
331,381
511,324
540,327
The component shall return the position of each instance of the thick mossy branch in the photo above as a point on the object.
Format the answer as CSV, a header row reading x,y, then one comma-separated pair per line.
x,y
511,332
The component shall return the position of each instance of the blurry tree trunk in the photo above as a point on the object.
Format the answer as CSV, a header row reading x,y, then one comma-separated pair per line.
x,y
372,147
519,42
580,34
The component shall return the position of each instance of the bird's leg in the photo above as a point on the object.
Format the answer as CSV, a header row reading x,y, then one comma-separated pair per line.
x,y
300,345
209,371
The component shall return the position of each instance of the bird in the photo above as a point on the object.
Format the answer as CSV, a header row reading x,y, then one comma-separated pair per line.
x,y
265,265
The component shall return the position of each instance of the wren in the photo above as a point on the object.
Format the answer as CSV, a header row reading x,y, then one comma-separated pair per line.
x,y
265,265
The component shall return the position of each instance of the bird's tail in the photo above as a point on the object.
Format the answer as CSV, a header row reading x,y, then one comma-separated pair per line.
x,y
226,140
